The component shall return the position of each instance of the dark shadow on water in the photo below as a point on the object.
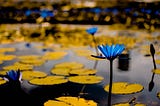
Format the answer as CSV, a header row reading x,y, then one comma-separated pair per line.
x,y
15,96
43,93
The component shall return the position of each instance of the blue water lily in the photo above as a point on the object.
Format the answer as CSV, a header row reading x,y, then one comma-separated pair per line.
x,y
13,75
110,51
92,30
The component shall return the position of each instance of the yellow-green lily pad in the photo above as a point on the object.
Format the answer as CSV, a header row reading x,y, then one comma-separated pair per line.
x,y
124,88
71,65
90,79
28,75
49,80
70,101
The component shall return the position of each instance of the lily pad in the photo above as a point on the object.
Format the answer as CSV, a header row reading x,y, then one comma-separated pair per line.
x,y
68,71
54,55
83,71
2,81
157,61
19,66
86,79
70,101
35,62
4,57
71,65
28,75
83,52
61,71
28,57
156,71
49,80
124,88
3,50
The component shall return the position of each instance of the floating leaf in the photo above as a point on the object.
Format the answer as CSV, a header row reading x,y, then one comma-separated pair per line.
x,y
3,50
2,81
124,88
70,101
6,57
28,75
86,79
54,55
29,57
83,71
157,61
122,104
35,62
19,66
61,71
71,65
156,71
83,52
49,80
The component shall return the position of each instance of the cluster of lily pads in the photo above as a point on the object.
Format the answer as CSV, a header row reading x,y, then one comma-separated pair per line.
x,y
71,71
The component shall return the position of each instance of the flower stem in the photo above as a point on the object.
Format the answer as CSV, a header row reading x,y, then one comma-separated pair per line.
x,y
110,83
96,62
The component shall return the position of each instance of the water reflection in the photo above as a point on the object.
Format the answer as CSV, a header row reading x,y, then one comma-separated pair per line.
x,y
152,51
123,61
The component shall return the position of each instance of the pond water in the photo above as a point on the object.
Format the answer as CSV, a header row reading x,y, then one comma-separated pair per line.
x,y
139,71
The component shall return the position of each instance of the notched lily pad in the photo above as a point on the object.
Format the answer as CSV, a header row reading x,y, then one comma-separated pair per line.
x,y
61,71
54,55
86,79
156,71
70,101
83,71
71,65
2,81
124,88
49,80
28,75
18,66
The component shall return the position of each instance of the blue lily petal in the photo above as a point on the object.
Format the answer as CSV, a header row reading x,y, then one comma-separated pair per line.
x,y
13,75
92,30
111,52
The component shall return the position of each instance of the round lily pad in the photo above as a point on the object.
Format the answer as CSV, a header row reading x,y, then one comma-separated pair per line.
x,y
86,79
9,49
71,65
49,80
83,52
156,71
124,88
28,75
157,61
6,57
19,66
83,71
54,55
35,62
28,57
61,71
70,101
2,81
